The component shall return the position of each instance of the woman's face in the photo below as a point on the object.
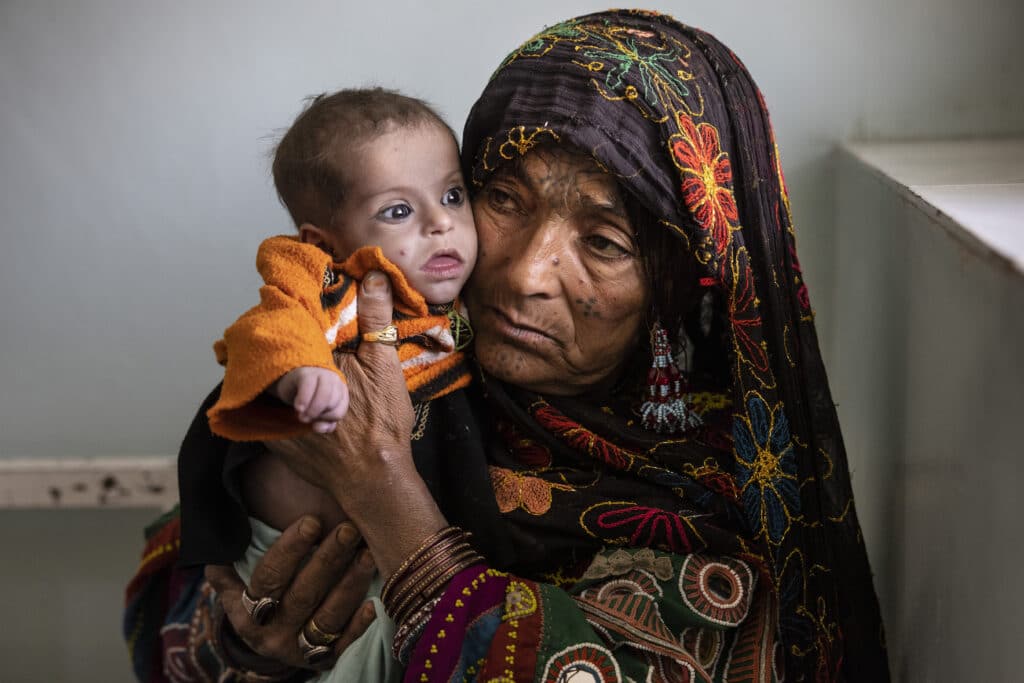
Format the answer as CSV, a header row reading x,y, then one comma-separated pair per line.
x,y
558,293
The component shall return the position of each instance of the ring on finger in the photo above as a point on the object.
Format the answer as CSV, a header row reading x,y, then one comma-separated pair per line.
x,y
317,636
259,610
313,654
387,335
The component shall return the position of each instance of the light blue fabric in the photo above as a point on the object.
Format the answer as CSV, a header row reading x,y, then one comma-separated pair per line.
x,y
368,659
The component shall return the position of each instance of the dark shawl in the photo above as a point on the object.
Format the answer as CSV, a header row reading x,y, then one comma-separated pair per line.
x,y
675,116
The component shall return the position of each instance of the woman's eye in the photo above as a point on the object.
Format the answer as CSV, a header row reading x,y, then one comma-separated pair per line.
x,y
500,200
606,247
454,197
396,212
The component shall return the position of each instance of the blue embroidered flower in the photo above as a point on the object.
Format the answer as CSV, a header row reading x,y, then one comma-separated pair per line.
x,y
766,467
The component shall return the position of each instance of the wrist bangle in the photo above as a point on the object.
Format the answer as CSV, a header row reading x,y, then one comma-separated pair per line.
x,y
444,534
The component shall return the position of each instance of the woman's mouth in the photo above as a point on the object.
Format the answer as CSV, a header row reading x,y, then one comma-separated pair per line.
x,y
444,265
508,326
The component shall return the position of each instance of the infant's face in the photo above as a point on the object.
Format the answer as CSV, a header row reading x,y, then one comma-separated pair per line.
x,y
405,194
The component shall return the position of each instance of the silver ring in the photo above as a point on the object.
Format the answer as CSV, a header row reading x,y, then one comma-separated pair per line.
x,y
313,654
260,610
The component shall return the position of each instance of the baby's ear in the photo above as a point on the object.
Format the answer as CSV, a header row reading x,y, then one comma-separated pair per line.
x,y
311,234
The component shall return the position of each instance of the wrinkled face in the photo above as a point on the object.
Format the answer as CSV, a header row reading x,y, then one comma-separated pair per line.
x,y
404,193
559,293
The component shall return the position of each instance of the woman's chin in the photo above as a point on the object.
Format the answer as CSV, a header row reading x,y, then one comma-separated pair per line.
x,y
528,370
515,365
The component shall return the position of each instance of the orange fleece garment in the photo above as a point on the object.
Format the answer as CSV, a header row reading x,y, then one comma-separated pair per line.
x,y
307,310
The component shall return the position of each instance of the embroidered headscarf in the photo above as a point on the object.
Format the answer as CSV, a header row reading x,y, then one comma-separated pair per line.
x,y
676,118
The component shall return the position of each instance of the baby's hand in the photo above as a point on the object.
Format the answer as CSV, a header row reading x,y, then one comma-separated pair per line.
x,y
319,396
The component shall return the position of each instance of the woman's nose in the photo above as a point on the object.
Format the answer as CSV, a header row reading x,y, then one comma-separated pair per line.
x,y
535,260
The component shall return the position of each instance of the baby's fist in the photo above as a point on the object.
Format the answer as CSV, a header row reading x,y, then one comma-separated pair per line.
x,y
319,396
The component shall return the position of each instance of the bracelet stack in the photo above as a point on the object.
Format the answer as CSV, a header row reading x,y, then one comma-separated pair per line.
x,y
411,593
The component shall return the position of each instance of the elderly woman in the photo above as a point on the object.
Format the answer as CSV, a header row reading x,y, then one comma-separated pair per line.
x,y
630,519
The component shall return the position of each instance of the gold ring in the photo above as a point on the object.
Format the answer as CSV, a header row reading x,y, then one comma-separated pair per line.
x,y
387,335
320,636
260,610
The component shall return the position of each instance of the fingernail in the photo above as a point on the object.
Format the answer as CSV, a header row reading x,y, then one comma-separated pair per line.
x,y
346,534
366,560
375,283
309,528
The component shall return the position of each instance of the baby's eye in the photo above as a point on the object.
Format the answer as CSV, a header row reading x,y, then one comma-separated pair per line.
x,y
396,212
455,196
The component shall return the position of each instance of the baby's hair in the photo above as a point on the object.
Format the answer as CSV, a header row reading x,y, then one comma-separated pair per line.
x,y
309,167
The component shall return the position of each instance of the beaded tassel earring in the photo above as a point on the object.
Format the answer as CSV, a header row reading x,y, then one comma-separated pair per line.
x,y
664,409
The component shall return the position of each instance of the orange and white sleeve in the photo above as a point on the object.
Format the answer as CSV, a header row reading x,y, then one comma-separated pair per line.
x,y
291,327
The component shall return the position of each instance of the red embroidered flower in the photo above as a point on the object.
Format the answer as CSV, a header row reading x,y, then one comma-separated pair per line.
x,y
707,179
745,313
649,527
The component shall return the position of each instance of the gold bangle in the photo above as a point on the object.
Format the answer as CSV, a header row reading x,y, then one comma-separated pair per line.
x,y
413,579
418,585
397,574
433,583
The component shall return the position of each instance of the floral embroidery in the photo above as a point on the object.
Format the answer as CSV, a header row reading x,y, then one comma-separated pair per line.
x,y
767,474
745,317
623,561
711,476
658,72
641,526
579,438
707,179
514,490
523,449
520,142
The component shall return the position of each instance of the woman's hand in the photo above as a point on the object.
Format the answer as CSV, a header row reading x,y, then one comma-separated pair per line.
x,y
366,464
329,589
379,419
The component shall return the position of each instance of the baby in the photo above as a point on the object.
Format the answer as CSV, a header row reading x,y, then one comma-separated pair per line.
x,y
357,169
372,180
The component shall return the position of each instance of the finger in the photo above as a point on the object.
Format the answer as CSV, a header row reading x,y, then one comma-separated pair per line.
x,y
341,604
281,562
225,581
375,311
322,572
357,626
320,401
303,395
324,426
339,403
229,587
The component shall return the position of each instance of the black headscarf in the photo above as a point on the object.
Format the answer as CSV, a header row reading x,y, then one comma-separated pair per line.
x,y
676,118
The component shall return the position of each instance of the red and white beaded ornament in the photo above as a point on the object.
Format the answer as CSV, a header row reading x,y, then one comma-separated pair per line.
x,y
665,408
